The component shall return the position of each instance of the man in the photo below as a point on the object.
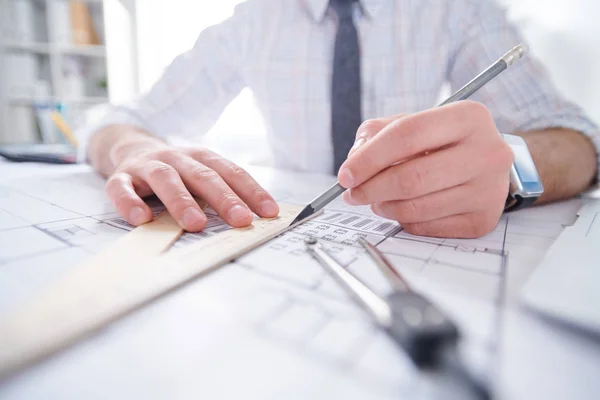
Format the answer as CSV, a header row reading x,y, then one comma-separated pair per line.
x,y
317,69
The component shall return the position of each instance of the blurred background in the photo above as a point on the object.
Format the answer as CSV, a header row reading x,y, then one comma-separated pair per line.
x,y
66,56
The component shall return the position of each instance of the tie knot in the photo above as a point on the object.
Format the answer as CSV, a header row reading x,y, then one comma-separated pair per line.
x,y
343,8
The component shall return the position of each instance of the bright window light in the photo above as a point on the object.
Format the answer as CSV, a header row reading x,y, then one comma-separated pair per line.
x,y
168,28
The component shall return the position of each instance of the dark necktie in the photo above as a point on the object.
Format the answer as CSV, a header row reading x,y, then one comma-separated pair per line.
x,y
345,88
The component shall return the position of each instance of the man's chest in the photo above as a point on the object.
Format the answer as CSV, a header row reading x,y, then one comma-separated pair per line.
x,y
402,65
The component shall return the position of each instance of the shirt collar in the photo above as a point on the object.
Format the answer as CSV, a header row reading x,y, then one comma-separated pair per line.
x,y
318,8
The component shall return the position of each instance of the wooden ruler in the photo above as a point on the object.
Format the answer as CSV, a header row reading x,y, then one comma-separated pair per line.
x,y
122,278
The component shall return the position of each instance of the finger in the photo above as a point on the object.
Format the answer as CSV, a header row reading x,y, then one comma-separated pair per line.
x,y
432,173
206,183
130,206
166,183
464,199
242,183
369,128
465,226
412,135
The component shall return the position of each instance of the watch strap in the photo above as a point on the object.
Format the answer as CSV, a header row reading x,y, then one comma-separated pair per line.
x,y
518,203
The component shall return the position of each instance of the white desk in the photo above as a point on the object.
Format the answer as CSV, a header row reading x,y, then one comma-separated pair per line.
x,y
249,331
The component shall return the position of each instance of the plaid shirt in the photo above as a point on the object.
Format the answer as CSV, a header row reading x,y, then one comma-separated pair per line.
x,y
283,51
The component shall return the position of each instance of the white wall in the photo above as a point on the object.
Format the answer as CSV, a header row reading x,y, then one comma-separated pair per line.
x,y
566,35
169,27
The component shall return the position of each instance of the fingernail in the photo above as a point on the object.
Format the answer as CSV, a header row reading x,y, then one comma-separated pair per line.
x,y
347,197
137,216
346,179
238,213
359,142
268,208
191,217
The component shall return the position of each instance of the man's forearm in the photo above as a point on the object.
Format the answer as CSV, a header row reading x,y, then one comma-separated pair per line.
x,y
108,146
566,161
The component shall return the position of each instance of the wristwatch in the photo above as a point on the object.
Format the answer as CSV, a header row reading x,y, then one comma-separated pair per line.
x,y
525,183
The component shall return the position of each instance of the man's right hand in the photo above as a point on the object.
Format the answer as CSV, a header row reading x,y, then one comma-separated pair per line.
x,y
141,166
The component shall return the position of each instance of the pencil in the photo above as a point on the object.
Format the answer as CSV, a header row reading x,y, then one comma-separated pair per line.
x,y
64,128
463,93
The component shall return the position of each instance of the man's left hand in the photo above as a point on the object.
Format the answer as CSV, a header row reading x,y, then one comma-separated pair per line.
x,y
442,172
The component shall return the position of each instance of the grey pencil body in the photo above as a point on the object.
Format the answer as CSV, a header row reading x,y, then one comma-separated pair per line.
x,y
481,80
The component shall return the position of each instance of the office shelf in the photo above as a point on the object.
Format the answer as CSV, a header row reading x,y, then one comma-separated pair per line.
x,y
33,47
30,100
89,51
40,63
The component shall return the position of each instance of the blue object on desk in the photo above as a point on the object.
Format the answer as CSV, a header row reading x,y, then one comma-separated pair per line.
x,y
42,153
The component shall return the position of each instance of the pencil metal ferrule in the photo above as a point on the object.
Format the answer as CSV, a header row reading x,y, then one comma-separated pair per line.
x,y
515,54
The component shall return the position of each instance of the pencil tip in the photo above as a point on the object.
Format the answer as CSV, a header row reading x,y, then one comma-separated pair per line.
x,y
305,213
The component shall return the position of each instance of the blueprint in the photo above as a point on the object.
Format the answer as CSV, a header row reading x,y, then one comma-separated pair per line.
x,y
52,220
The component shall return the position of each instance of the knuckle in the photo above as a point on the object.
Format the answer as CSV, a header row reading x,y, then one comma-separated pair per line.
x,y
438,228
203,154
409,182
207,152
178,207
477,226
203,173
476,109
359,194
122,199
163,154
370,127
417,229
157,170
180,201
408,124
405,131
362,161
227,200
417,180
377,209
121,195
116,184
113,183
237,172
259,193
411,211
397,116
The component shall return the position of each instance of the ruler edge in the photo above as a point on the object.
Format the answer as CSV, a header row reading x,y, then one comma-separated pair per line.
x,y
16,368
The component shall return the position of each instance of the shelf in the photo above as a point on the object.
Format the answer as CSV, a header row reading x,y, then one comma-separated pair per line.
x,y
89,51
83,100
37,47
44,48
88,1
33,47
28,101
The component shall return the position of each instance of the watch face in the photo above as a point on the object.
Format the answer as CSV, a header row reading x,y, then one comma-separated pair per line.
x,y
533,188
525,166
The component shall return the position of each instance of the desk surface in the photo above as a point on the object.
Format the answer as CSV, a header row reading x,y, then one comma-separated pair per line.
x,y
255,331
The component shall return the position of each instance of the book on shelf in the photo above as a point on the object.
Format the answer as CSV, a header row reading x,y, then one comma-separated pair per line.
x,y
82,24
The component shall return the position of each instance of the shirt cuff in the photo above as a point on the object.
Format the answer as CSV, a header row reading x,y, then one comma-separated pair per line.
x,y
100,117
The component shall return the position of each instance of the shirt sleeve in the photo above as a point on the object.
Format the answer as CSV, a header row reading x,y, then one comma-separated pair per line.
x,y
522,98
193,91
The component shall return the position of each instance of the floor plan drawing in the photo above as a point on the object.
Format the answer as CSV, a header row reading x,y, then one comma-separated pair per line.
x,y
282,296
